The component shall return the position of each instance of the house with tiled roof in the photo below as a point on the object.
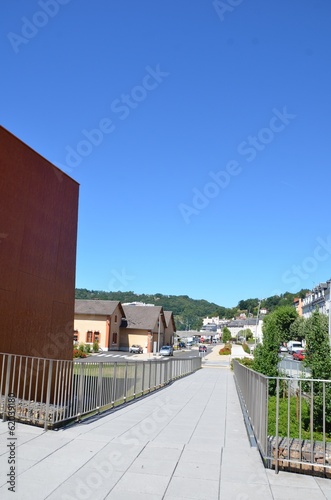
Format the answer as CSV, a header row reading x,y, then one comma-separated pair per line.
x,y
170,328
99,320
146,326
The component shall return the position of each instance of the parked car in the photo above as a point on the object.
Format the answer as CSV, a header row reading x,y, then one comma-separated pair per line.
x,y
299,355
202,348
282,348
182,345
136,349
166,350
294,345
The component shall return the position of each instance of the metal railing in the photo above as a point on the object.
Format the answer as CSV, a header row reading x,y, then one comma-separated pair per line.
x,y
292,368
50,393
290,419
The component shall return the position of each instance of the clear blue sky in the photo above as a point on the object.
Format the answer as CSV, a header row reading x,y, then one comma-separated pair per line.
x,y
200,137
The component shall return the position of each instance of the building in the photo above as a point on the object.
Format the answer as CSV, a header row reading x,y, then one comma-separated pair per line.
x,y
38,236
319,298
170,330
99,321
297,302
146,326
237,325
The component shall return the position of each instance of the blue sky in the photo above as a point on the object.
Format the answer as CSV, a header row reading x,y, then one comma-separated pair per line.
x,y
199,132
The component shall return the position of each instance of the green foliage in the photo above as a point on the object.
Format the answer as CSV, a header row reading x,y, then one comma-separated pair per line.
x,y
246,348
246,333
297,329
318,359
317,346
276,327
226,335
293,415
286,299
284,317
248,362
248,305
95,346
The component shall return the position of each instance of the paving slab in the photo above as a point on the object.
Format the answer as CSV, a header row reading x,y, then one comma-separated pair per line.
x,y
187,441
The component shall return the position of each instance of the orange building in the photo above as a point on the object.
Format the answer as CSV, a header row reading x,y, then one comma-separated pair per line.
x,y
38,233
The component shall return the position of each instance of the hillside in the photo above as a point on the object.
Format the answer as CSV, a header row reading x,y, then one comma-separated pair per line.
x,y
188,312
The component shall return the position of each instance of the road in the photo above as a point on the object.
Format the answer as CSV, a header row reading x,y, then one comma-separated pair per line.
x,y
109,356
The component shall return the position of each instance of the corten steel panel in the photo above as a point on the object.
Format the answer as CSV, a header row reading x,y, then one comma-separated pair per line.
x,y
38,233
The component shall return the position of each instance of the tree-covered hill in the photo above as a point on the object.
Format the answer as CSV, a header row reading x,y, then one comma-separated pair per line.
x,y
188,312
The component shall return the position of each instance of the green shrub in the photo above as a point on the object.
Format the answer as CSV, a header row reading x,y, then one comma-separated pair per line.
x,y
295,424
95,346
246,348
243,361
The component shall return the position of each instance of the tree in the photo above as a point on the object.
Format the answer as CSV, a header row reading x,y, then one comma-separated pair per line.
x,y
318,356
318,359
226,335
246,333
276,329
297,329
284,317
266,354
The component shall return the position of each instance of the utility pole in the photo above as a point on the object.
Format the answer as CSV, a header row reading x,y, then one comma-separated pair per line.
x,y
257,320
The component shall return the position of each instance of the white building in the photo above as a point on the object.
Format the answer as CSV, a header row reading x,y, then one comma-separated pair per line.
x,y
319,298
237,325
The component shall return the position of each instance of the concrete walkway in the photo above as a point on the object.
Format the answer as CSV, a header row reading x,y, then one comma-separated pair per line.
x,y
186,441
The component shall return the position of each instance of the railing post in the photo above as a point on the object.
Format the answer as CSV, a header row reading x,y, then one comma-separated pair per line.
x,y
125,391
135,380
80,391
7,387
48,393
277,419
99,395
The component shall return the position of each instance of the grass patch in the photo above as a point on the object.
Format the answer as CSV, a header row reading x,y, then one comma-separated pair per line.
x,y
295,422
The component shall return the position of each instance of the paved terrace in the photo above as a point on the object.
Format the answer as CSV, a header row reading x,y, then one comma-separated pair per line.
x,y
186,441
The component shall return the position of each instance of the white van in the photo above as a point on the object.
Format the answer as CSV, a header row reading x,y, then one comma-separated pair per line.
x,y
293,346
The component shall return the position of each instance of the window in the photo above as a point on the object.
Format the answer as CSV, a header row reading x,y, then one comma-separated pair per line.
x,y
75,335
115,318
96,336
115,338
89,336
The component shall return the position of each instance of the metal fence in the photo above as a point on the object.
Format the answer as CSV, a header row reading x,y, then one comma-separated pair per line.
x,y
290,419
50,393
291,368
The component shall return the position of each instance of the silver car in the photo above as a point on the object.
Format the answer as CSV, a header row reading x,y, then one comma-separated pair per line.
x,y
166,350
